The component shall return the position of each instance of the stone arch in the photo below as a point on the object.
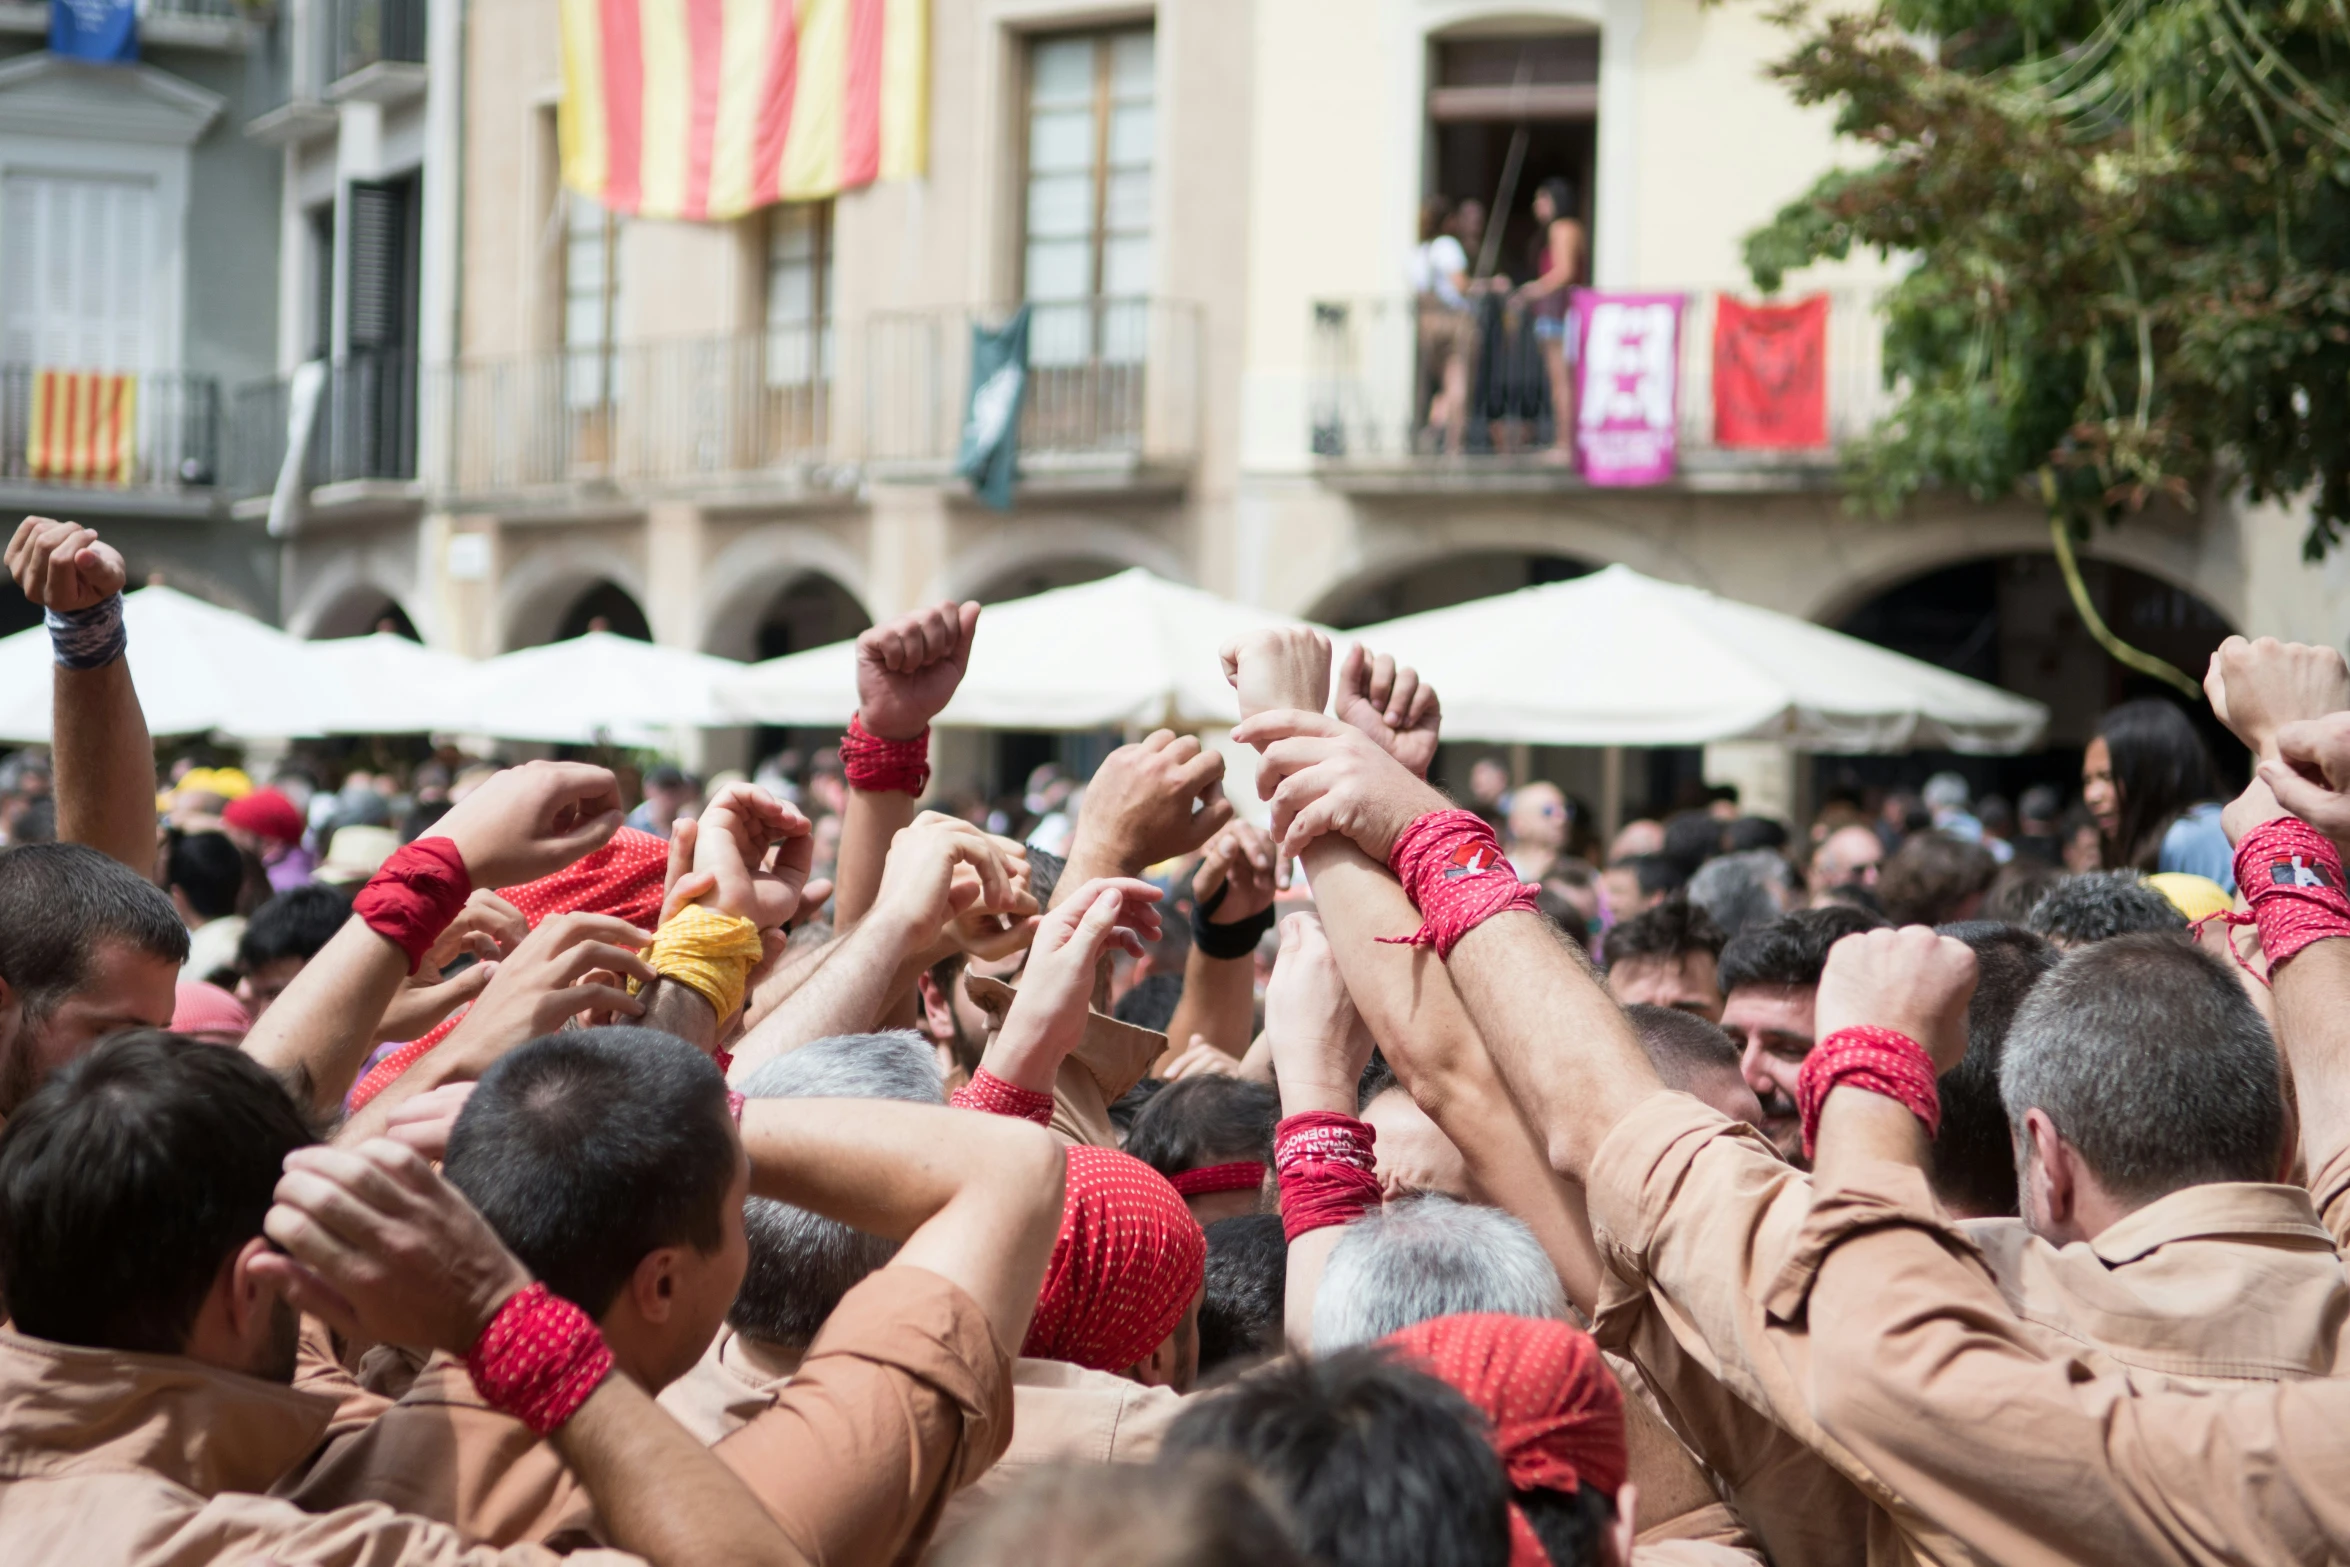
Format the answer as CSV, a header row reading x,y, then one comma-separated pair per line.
x,y
535,596
1053,553
745,584
349,604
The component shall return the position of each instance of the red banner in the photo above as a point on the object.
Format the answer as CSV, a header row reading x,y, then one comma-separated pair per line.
x,y
1771,374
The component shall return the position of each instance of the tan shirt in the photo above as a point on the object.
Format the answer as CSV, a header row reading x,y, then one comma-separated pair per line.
x,y
158,1461
1697,1217
2064,1466
903,1397
1064,1414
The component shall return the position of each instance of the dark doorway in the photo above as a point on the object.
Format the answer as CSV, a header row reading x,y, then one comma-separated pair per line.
x,y
604,607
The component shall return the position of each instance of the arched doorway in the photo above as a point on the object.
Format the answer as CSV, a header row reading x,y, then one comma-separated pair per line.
x,y
603,606
808,611
359,610
2009,620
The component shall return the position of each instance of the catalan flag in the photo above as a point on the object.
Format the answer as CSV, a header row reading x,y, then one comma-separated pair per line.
x,y
82,426
711,108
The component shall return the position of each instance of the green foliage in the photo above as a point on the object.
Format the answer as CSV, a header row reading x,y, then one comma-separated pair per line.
x,y
2129,230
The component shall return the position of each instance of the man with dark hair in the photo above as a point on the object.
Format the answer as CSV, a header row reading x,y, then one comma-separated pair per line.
x,y
154,1331
2100,905
1935,878
1769,977
1697,1058
1667,957
1247,1281
87,947
283,935
1974,1153
1639,882
610,1155
1380,1465
205,875
1205,1134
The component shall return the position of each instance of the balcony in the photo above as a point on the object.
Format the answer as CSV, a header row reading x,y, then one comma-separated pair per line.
x,y
375,49
163,24
748,408
1369,382
1113,390
362,429
143,436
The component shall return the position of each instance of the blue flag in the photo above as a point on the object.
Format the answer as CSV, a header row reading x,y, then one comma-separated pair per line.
x,y
105,32
990,451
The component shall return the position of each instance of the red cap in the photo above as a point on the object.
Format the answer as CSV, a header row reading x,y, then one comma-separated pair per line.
x,y
266,813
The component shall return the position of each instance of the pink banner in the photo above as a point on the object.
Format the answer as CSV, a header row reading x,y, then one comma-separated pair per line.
x,y
1627,353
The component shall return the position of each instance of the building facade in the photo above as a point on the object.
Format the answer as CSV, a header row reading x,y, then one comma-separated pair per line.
x,y
737,437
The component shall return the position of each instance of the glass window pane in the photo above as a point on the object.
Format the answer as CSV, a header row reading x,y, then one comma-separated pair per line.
x,y
791,233
583,321
1060,334
1126,267
1060,206
791,294
1060,141
1132,61
1060,269
1126,332
1061,70
1134,130
1130,202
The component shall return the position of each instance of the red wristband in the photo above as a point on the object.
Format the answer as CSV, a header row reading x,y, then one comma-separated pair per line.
x,y
1881,1060
1242,1175
878,766
1452,868
539,1359
1328,1172
991,1095
413,898
2291,874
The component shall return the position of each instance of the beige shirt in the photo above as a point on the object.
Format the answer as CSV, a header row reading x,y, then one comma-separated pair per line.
x,y
2065,1466
1064,1414
902,1398
158,1461
1697,1218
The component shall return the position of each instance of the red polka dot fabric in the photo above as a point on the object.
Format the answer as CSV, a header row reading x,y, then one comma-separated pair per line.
x,y
623,879
1329,1173
1881,1060
873,765
991,1095
1557,1414
415,895
1452,867
1127,1265
539,1359
2291,874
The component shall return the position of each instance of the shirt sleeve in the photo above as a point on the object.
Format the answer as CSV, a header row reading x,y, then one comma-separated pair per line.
x,y
240,1527
904,1397
1923,1374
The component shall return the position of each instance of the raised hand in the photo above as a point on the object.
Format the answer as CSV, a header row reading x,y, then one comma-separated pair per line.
x,y
2256,688
1909,980
572,963
384,1249
1387,701
908,669
1048,1015
531,821
987,935
1285,666
756,850
2310,773
1319,1044
1324,776
486,929
425,1122
941,867
1241,861
1158,798
62,565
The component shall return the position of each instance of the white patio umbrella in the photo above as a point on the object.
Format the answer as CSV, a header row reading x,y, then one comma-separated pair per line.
x,y
198,667
397,686
1128,651
593,687
1616,658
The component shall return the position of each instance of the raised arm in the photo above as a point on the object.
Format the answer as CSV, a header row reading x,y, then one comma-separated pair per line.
x,y
751,853
907,672
104,762
975,1198
1232,908
1154,800
1048,1014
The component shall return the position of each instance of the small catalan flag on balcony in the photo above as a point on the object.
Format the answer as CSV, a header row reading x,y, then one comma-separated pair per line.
x,y
707,109
83,426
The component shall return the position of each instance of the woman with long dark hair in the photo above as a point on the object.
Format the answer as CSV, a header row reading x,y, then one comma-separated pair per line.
x,y
2148,780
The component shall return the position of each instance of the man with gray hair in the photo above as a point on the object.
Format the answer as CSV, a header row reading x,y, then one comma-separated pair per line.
x,y
2100,905
1429,1256
1744,890
2149,1121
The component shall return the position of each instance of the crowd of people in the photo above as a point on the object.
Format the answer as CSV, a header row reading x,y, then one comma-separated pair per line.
x,y
1334,1193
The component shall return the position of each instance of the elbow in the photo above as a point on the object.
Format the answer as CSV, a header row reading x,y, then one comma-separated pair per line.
x,y
1034,1173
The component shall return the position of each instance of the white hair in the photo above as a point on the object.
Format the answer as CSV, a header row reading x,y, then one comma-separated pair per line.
x,y
1429,1256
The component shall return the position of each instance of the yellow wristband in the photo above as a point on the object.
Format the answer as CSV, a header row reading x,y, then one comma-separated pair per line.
x,y
710,953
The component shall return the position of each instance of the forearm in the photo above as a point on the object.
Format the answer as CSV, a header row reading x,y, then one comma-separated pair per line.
x,y
677,1008
1092,856
868,823
319,1031
1562,1044
845,993
658,1492
104,764
2313,1029
1219,1004
1406,997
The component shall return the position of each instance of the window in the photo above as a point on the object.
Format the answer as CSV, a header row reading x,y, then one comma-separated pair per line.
x,y
78,272
799,293
591,301
1092,126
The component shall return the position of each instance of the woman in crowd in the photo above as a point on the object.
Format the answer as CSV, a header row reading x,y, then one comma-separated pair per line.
x,y
2147,779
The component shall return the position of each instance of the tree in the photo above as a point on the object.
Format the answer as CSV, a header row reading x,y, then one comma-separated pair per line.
x,y
2130,227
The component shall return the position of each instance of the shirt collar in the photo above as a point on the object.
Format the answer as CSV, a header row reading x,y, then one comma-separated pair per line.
x,y
2232,1210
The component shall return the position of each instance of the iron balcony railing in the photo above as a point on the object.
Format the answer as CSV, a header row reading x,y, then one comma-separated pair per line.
x,y
363,426
142,430
1375,365
685,412
1106,377
372,32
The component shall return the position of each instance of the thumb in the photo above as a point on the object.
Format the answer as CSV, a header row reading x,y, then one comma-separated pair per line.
x,y
2297,794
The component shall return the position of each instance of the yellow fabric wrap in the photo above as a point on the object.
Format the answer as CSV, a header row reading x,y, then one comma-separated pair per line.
x,y
709,952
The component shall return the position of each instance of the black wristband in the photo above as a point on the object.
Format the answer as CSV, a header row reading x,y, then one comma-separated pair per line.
x,y
1227,942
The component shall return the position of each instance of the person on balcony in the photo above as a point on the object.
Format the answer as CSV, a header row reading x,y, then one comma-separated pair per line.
x,y
1438,271
1558,266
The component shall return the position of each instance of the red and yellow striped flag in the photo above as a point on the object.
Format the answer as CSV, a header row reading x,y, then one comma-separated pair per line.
x,y
711,108
82,426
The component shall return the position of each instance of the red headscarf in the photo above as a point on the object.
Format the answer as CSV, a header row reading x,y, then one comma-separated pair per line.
x,y
1558,1416
623,879
1127,1266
